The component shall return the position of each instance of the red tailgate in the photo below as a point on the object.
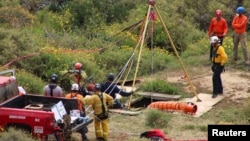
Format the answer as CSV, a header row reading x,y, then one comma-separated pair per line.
x,y
41,122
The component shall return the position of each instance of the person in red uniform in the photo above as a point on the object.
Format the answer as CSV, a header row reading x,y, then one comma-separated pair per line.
x,y
239,25
218,27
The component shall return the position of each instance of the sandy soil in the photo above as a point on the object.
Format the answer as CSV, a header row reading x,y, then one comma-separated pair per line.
x,y
236,83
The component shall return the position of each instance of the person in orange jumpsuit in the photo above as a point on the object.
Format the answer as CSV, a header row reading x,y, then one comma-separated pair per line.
x,y
239,25
218,27
100,102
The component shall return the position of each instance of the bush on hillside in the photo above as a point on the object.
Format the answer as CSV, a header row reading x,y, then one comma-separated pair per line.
x,y
16,135
160,86
31,83
157,119
16,17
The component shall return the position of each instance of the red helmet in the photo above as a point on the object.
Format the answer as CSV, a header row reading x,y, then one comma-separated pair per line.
x,y
90,87
78,66
218,12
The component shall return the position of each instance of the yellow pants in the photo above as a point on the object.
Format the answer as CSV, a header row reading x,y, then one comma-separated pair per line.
x,y
101,128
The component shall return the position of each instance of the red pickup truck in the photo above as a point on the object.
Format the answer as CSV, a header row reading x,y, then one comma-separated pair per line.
x,y
33,112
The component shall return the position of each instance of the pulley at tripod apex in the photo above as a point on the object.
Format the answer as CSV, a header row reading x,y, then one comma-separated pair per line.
x,y
151,2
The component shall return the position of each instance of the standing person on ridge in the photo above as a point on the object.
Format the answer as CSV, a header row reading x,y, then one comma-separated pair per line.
x,y
239,25
219,58
218,27
53,89
74,94
111,88
100,102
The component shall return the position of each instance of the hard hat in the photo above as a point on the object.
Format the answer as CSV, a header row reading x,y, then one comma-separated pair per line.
x,y
90,87
111,76
97,87
214,39
218,12
240,10
78,66
74,87
54,78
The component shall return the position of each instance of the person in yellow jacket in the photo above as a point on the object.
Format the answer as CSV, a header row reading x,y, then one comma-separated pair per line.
x,y
219,58
100,102
77,75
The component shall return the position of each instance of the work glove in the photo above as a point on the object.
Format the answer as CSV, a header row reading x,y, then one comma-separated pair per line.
x,y
71,71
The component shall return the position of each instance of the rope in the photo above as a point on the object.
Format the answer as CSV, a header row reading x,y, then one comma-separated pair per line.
x,y
176,53
19,58
140,51
152,52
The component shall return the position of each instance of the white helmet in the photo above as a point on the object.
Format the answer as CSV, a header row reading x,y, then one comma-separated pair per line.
x,y
214,39
74,87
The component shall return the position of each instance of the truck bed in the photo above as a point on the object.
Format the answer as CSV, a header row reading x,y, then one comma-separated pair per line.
x,y
36,102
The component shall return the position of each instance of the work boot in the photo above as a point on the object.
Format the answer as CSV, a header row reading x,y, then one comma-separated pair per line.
x,y
85,139
100,139
214,95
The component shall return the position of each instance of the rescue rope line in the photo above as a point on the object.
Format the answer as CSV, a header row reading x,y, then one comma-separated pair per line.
x,y
176,53
152,51
19,58
140,52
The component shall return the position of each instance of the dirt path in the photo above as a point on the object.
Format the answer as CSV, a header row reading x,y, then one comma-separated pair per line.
x,y
235,82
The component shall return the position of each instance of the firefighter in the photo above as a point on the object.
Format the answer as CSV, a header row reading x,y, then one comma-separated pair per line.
x,y
74,94
53,89
111,88
77,75
100,102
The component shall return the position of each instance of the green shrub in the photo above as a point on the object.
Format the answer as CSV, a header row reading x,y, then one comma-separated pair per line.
x,y
157,119
16,135
31,83
246,110
16,16
160,86
15,45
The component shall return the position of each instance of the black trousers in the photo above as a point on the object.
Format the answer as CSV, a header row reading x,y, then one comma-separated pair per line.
x,y
217,82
